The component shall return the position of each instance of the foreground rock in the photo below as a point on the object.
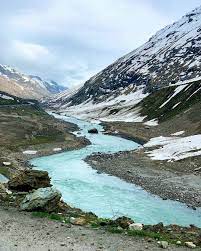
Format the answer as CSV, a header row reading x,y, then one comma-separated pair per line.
x,y
93,130
43,199
28,180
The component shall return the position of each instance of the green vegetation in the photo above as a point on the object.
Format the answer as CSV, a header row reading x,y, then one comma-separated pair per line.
x,y
5,171
51,216
105,224
182,101
8,102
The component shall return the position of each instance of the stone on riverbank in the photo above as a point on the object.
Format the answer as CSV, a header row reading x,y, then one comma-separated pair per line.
x,y
93,130
80,221
28,180
6,163
43,199
136,226
163,244
190,244
123,222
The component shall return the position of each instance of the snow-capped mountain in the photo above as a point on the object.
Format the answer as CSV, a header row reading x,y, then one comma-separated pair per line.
x,y
172,55
26,86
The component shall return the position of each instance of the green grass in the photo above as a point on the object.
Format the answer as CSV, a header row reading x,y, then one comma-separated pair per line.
x,y
151,104
8,102
4,171
51,216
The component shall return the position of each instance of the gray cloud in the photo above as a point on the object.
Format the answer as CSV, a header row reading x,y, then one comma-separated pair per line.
x,y
70,40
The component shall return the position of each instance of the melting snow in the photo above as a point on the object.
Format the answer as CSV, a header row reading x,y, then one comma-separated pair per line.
x,y
153,122
178,133
176,91
30,152
174,148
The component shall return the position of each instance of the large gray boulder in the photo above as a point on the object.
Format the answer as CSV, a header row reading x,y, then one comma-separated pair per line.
x,y
43,199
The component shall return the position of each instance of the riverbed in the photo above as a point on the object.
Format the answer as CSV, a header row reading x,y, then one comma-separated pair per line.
x,y
104,195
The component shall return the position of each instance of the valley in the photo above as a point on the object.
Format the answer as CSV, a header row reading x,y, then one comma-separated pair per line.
x,y
110,164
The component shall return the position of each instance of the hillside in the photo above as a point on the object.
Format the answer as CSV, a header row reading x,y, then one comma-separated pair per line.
x,y
171,56
26,86
153,92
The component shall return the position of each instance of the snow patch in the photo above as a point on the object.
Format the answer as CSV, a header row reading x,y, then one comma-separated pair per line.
x,y
152,122
30,152
174,148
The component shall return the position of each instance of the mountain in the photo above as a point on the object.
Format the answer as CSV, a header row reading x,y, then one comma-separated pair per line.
x,y
26,86
171,57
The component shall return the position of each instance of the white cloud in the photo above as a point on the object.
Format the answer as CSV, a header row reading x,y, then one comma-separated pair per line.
x,y
30,51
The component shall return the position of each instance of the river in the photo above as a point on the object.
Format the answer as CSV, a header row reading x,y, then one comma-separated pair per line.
x,y
105,195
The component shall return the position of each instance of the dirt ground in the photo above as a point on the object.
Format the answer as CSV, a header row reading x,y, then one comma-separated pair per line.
x,y
21,231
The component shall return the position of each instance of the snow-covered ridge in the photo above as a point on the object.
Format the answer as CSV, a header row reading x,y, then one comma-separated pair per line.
x,y
171,56
30,86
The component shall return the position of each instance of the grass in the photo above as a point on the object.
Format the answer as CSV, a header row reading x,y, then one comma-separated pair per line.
x,y
151,104
4,171
51,216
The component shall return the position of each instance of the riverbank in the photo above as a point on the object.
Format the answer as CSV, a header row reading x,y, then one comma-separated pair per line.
x,y
178,180
29,132
22,231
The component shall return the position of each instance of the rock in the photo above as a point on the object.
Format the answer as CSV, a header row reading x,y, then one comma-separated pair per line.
x,y
178,242
190,244
136,226
28,180
93,130
123,222
5,163
163,244
43,199
80,221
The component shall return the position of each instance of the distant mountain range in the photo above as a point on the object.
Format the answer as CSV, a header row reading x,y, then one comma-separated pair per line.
x,y
26,86
171,57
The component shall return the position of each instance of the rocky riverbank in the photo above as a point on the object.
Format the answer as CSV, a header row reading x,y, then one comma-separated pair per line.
x,y
31,191
175,180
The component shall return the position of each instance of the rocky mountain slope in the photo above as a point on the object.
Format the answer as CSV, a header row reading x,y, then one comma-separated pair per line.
x,y
26,86
172,55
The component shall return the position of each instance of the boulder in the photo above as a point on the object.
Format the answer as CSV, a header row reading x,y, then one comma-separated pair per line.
x,y
80,221
43,199
136,226
28,180
93,130
123,222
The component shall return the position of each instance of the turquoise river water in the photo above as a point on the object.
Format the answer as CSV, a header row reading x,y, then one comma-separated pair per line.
x,y
104,195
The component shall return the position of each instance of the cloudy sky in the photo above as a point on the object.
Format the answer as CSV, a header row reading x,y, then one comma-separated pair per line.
x,y
70,40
